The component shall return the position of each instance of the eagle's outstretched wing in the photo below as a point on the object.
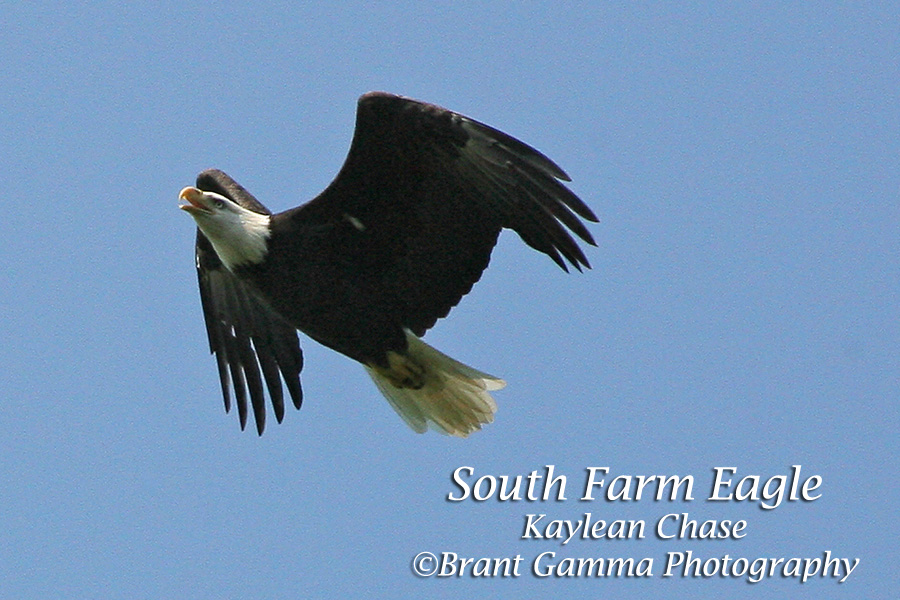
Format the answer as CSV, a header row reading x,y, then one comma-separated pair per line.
x,y
429,191
252,343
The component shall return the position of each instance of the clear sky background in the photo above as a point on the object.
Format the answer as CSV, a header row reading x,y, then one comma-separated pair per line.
x,y
742,310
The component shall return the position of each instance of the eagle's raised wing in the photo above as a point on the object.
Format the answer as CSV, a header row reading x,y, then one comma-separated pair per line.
x,y
428,191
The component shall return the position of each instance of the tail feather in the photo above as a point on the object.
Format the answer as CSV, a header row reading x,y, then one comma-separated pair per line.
x,y
454,398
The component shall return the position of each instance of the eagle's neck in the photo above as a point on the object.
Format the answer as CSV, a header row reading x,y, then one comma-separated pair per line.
x,y
242,240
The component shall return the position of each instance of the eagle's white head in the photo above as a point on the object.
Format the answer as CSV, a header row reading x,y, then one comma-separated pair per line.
x,y
238,235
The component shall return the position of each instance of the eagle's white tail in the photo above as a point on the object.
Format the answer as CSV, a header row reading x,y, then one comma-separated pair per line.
x,y
453,399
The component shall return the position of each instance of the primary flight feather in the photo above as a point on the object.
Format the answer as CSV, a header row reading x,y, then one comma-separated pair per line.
x,y
367,267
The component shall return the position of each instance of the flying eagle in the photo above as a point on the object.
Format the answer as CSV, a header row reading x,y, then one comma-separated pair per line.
x,y
368,266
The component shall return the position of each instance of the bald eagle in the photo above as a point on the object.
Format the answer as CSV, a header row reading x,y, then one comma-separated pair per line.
x,y
368,266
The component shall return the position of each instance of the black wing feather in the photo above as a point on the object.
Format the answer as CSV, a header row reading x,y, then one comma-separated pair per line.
x,y
252,343
433,189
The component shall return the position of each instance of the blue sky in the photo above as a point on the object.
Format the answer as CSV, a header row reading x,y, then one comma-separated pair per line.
x,y
742,310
